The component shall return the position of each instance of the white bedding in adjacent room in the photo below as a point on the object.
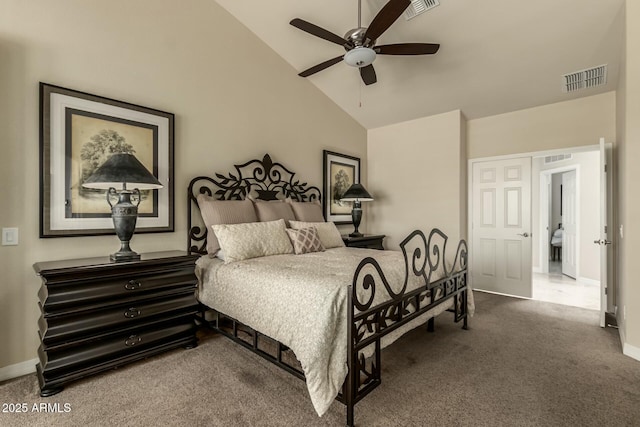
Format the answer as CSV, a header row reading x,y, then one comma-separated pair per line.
x,y
301,301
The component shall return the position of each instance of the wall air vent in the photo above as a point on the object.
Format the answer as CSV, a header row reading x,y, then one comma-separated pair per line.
x,y
591,77
557,158
419,6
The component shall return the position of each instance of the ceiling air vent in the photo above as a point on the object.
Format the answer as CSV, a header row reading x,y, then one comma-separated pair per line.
x,y
584,79
419,6
557,158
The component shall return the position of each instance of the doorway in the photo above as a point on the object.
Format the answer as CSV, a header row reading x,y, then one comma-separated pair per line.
x,y
495,255
566,268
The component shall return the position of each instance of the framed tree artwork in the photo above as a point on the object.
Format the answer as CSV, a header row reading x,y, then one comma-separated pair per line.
x,y
340,171
78,133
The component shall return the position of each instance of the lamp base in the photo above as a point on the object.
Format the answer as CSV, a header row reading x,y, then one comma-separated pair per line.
x,y
124,256
124,215
356,216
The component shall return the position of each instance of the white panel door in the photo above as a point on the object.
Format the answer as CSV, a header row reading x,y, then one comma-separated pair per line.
x,y
501,226
606,303
569,224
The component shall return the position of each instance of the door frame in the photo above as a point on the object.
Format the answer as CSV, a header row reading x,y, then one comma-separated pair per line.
x,y
544,205
471,162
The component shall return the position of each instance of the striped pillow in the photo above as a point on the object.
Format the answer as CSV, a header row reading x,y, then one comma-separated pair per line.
x,y
273,210
223,212
307,211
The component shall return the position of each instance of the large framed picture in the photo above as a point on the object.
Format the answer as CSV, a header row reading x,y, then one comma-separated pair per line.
x,y
78,133
339,173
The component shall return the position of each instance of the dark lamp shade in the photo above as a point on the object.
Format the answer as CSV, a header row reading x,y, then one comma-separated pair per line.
x,y
356,193
122,171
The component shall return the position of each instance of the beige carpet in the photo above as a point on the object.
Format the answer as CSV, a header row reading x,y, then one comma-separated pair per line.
x,y
522,363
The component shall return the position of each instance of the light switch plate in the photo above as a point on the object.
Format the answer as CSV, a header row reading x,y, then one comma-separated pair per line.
x,y
9,236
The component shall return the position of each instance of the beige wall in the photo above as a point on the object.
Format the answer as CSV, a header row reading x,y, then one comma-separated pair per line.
x,y
628,177
416,173
233,97
572,123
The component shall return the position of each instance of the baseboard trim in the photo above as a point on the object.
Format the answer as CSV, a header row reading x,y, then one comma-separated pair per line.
x,y
628,349
631,351
588,281
536,269
18,370
499,293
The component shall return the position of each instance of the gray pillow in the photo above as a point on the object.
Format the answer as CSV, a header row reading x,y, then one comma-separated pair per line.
x,y
307,211
273,210
223,212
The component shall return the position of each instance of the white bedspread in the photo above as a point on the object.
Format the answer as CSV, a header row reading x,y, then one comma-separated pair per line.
x,y
301,301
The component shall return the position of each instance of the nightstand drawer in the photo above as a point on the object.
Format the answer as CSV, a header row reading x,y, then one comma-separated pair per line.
x,y
64,294
370,241
65,328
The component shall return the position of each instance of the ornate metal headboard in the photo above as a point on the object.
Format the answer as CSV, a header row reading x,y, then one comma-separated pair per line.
x,y
262,179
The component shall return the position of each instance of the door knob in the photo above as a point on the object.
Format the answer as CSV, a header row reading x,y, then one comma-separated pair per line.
x,y
602,242
524,234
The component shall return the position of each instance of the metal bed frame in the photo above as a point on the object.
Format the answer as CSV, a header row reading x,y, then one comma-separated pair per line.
x,y
423,258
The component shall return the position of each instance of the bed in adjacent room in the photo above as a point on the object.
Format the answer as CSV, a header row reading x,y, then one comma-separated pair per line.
x,y
273,270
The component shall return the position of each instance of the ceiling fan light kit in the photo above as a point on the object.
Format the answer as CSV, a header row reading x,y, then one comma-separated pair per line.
x,y
360,57
360,43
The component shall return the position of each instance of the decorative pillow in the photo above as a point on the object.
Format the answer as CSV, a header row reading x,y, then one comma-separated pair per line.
x,y
307,211
305,240
252,240
223,212
273,210
328,232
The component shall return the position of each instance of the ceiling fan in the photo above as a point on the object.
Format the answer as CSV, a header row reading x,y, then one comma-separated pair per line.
x,y
360,43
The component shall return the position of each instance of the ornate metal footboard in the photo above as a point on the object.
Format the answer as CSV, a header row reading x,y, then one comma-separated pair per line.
x,y
369,323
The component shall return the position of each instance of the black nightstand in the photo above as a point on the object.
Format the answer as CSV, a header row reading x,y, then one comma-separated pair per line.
x,y
371,241
98,314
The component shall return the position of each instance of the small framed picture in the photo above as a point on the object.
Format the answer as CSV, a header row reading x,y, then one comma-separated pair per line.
x,y
78,133
340,171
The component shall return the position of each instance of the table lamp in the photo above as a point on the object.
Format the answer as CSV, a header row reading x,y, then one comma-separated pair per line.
x,y
356,194
118,175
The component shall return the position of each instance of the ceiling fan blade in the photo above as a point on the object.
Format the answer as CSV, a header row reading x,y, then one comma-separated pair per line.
x,y
321,66
407,49
317,31
387,16
368,75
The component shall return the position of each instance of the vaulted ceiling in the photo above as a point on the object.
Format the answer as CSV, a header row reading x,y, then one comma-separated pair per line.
x,y
495,56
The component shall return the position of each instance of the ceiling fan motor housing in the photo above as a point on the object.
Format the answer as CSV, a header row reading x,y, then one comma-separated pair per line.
x,y
356,37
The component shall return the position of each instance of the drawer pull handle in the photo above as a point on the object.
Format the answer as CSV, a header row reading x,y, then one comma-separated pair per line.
x,y
132,312
132,285
133,340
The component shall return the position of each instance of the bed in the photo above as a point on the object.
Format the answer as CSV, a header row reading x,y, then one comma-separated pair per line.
x,y
323,316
